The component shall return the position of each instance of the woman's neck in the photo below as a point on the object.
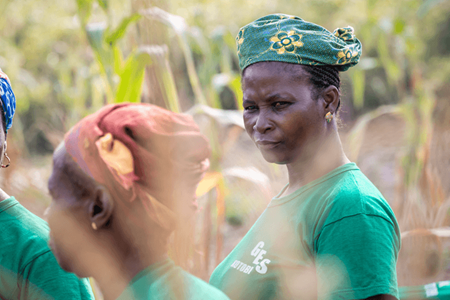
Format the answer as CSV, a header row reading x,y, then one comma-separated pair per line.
x,y
325,156
119,267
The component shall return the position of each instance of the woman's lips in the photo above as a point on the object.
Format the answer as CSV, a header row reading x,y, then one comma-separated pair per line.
x,y
267,144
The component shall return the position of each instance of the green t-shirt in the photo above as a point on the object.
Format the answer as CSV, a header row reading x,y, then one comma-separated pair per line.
x,y
334,238
165,280
28,268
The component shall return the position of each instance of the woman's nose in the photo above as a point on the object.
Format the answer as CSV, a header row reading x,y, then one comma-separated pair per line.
x,y
262,124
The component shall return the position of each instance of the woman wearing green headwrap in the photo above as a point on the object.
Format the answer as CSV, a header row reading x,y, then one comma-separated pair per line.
x,y
329,234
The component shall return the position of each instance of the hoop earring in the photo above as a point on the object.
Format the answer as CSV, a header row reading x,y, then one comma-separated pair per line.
x,y
9,161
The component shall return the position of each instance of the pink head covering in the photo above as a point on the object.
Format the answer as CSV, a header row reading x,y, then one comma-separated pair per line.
x,y
140,151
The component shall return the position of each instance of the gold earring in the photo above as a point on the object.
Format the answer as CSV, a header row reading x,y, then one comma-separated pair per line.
x,y
9,161
329,117
94,226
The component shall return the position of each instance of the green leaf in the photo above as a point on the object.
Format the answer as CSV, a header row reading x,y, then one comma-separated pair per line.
x,y
399,26
104,56
221,116
235,86
84,10
120,31
358,77
118,59
103,4
426,6
131,78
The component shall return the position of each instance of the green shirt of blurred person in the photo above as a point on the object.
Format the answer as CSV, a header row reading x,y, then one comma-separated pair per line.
x,y
28,268
163,280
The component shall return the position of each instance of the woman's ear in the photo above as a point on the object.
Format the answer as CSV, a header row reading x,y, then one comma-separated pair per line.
x,y
101,209
3,151
331,97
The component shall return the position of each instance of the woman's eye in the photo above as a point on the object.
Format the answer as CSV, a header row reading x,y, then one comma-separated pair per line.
x,y
250,107
280,104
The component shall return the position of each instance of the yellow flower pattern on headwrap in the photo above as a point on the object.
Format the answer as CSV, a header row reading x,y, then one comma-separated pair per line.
x,y
286,41
287,38
346,55
240,39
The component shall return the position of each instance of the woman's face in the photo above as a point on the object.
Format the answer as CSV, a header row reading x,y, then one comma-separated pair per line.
x,y
67,216
280,115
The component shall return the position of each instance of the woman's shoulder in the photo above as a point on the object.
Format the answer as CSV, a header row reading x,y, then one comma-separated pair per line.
x,y
22,229
199,289
355,194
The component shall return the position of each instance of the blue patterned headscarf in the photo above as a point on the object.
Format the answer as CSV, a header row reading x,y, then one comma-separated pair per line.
x,y
286,38
8,100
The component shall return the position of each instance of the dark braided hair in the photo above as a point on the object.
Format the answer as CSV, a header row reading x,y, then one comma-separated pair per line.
x,y
322,77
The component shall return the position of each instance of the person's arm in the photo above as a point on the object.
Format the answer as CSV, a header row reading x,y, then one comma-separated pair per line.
x,y
356,258
43,278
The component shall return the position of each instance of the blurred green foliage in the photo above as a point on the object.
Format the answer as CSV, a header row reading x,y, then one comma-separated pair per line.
x,y
68,58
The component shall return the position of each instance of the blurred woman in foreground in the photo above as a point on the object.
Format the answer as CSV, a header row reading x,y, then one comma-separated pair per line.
x,y
329,234
122,181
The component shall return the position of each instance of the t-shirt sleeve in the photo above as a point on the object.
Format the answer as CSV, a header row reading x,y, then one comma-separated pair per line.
x,y
356,258
42,278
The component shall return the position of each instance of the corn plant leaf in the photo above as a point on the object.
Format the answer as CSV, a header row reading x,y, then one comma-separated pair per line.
x,y
118,59
220,206
426,6
179,26
104,56
120,31
209,182
224,117
84,10
358,77
132,76
103,4
357,133
235,86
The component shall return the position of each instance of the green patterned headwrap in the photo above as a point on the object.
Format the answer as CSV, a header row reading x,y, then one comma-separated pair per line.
x,y
286,38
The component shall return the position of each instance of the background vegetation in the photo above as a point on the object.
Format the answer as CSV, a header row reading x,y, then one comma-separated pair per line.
x,y
68,58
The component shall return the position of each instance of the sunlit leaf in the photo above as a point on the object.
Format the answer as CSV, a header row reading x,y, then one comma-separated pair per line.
x,y
104,56
84,10
118,60
358,77
180,27
209,182
130,85
103,4
236,87
399,26
120,31
225,117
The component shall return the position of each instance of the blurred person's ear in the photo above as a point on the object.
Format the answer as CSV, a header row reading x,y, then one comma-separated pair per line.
x,y
101,208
